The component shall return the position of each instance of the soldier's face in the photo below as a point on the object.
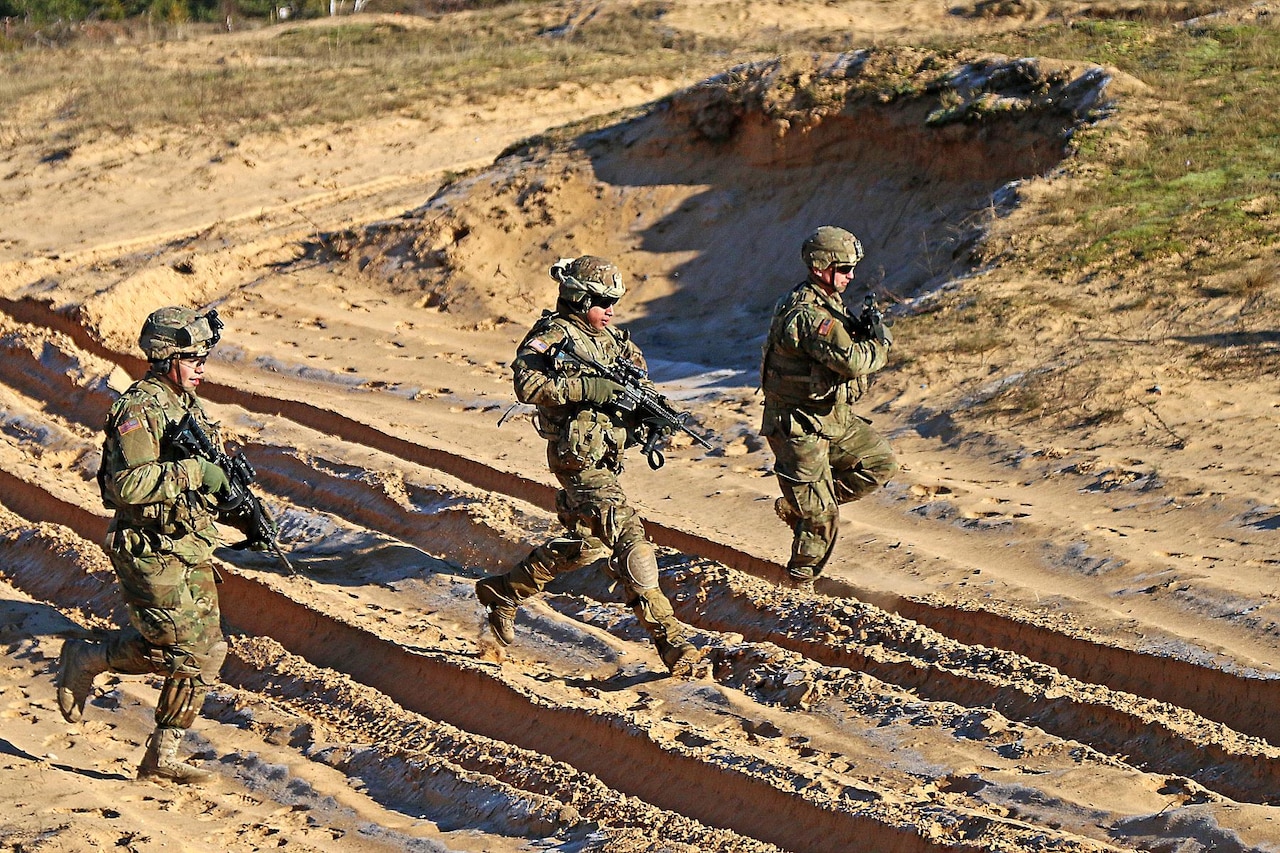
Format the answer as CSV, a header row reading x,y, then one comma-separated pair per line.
x,y
187,373
599,316
837,276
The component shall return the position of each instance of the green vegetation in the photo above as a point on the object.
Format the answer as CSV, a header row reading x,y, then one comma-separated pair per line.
x,y
1181,192
1176,193
1180,195
43,11
307,75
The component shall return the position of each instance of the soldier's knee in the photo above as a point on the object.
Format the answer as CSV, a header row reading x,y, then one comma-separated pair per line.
x,y
819,516
862,480
202,663
180,663
211,662
816,502
883,468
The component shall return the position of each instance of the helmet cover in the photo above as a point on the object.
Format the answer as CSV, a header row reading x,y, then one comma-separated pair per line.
x,y
179,331
586,278
830,245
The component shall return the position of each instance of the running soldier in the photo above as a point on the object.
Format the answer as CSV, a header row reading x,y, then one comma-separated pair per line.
x,y
816,362
161,542
585,443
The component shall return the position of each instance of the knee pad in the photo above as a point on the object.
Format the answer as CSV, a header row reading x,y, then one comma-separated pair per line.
x,y
211,662
636,567
855,483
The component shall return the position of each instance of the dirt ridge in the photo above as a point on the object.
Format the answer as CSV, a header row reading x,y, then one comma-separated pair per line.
x,y
1233,698
482,704
898,652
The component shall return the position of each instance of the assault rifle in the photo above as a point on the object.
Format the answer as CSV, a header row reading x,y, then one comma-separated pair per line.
x,y
649,416
871,323
238,506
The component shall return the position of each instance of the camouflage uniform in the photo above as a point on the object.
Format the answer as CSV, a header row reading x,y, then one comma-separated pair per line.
x,y
814,370
585,444
161,543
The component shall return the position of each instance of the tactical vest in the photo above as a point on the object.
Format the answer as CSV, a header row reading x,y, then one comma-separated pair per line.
x,y
581,431
791,377
151,405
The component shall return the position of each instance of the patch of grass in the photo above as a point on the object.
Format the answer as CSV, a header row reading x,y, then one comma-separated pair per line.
x,y
1065,397
1190,179
1251,283
974,344
324,74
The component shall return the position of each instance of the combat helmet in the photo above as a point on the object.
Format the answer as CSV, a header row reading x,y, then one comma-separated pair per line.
x,y
179,332
586,279
830,245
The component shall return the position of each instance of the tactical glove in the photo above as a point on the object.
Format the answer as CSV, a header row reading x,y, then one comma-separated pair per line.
x,y
212,478
593,389
880,332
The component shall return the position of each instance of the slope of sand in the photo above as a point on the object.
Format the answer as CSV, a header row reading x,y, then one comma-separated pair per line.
x,y
1031,640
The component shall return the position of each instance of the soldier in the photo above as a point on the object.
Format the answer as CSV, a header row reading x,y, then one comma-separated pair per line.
x,y
160,541
816,362
585,443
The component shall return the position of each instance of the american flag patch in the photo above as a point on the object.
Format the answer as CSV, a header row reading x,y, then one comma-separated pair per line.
x,y
539,345
129,426
825,326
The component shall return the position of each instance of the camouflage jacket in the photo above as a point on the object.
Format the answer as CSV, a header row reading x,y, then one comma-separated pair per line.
x,y
142,477
586,430
814,368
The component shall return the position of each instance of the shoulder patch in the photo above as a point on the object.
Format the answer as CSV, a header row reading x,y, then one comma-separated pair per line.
x,y
824,328
539,345
129,426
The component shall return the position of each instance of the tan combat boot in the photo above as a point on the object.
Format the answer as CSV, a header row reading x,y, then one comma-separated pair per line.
x,y
161,760
801,582
786,511
681,659
78,664
502,611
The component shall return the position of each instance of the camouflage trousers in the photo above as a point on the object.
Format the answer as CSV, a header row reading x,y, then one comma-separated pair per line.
x,y
175,623
599,521
816,475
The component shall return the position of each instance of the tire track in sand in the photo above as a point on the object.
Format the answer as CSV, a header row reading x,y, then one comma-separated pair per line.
x,y
1240,700
754,799
853,636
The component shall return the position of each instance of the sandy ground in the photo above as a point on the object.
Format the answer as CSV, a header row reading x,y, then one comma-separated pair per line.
x,y
1031,641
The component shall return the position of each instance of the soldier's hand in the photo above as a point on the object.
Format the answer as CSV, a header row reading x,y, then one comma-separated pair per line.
x,y
212,478
593,389
239,517
881,333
